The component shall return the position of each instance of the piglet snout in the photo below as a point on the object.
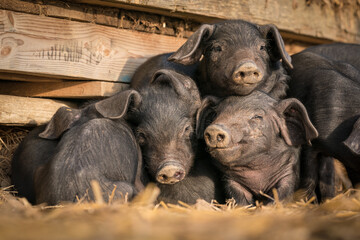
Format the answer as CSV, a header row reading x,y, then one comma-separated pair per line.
x,y
248,73
216,136
170,172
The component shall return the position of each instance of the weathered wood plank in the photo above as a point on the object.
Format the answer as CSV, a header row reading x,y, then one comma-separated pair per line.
x,y
293,47
21,111
27,78
109,16
67,49
311,20
65,89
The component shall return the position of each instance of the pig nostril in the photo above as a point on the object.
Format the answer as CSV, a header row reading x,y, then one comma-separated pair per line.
x,y
220,137
242,74
208,136
163,177
256,74
178,175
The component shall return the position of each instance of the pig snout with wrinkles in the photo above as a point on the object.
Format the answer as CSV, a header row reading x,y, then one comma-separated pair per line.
x,y
247,73
216,136
170,172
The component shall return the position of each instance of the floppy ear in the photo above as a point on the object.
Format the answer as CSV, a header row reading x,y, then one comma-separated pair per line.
x,y
353,141
191,51
62,120
116,107
275,44
294,123
183,85
205,114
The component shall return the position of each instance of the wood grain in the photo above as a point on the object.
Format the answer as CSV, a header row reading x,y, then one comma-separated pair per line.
x,y
65,89
21,111
67,49
296,19
108,16
27,78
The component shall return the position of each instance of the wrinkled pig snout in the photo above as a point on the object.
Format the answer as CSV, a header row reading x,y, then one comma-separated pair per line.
x,y
248,73
170,173
216,136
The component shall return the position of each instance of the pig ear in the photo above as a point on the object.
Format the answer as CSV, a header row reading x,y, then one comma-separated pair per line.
x,y
62,120
184,86
190,52
117,106
294,123
205,114
275,44
353,141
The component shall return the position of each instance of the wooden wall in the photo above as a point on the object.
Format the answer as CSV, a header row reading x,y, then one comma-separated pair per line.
x,y
90,48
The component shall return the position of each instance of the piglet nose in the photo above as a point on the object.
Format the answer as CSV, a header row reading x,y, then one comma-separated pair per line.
x,y
216,136
248,73
170,173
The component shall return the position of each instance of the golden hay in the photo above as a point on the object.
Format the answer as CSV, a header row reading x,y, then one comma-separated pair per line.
x,y
338,218
10,138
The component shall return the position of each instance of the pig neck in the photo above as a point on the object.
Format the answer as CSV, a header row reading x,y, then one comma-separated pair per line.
x,y
263,171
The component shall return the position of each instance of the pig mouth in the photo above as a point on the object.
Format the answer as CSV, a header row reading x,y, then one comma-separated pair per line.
x,y
226,155
245,88
235,147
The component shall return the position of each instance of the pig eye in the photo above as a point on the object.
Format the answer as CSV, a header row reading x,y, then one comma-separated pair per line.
x,y
262,48
216,48
257,117
141,138
187,130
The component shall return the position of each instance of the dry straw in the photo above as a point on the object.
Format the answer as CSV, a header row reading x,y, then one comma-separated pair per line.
x,y
338,218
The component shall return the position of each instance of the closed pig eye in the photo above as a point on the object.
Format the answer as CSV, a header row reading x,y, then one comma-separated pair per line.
x,y
216,48
187,130
257,117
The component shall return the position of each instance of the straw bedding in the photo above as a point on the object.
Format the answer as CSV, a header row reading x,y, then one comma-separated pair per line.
x,y
338,218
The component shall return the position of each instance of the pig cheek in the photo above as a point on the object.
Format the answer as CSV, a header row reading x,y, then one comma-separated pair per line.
x,y
256,140
263,64
187,152
214,58
219,60
213,66
151,160
227,157
265,139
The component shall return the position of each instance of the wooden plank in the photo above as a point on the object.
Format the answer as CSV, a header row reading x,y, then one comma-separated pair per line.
x,y
66,89
21,111
68,10
66,49
27,78
293,47
109,16
307,20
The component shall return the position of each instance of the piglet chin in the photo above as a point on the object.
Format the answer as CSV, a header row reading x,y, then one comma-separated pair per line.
x,y
227,155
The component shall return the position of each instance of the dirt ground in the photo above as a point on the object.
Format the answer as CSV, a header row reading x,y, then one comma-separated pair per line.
x,y
338,218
